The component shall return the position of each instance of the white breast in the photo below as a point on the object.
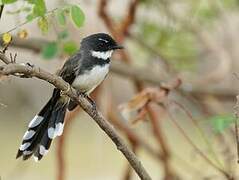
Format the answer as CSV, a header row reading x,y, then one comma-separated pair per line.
x,y
91,79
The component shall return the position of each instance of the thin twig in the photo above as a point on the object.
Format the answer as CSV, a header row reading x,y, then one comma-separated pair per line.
x,y
201,133
228,176
27,21
154,51
155,122
236,110
129,19
107,20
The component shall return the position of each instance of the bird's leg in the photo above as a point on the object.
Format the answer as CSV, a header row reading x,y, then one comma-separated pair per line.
x,y
92,102
28,64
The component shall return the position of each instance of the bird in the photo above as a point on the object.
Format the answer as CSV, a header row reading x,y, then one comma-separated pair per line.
x,y
84,71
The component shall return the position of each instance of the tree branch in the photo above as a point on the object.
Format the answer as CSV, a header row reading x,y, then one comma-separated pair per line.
x,y
129,19
58,82
107,20
139,74
157,130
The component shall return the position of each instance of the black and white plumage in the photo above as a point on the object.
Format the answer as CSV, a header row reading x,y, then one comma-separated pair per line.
x,y
84,71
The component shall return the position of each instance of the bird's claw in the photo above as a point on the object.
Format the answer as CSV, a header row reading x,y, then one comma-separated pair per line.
x,y
29,64
62,93
91,101
84,95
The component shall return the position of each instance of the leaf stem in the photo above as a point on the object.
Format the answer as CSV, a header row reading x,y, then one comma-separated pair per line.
x,y
24,23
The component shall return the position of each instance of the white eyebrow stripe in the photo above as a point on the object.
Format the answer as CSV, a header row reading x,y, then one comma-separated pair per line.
x,y
103,40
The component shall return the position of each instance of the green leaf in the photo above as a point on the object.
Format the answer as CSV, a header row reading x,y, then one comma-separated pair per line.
x,y
30,17
50,50
60,15
39,8
14,12
221,122
8,1
17,11
43,24
70,47
31,1
26,9
63,35
77,15
1,2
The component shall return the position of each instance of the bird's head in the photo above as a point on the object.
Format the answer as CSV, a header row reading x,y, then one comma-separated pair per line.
x,y
100,45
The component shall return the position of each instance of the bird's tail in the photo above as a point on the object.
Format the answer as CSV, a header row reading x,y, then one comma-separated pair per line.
x,y
43,128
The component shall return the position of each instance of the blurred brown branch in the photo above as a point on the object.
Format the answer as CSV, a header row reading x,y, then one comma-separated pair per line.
x,y
129,19
61,144
102,13
118,30
207,160
139,74
130,134
153,51
31,71
166,154
209,44
135,140
148,99
158,96
236,112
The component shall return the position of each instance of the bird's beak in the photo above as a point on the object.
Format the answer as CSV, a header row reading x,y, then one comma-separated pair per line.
x,y
118,47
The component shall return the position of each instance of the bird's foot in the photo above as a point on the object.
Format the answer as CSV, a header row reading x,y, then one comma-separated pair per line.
x,y
84,95
29,64
91,101
65,92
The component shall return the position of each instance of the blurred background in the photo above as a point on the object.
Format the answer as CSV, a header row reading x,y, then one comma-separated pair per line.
x,y
171,93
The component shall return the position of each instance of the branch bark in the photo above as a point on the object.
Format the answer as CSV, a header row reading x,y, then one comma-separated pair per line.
x,y
58,82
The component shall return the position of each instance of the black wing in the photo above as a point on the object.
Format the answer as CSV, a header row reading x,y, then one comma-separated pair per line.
x,y
69,73
71,68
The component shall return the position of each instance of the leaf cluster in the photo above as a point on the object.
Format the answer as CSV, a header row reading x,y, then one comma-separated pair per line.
x,y
36,9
